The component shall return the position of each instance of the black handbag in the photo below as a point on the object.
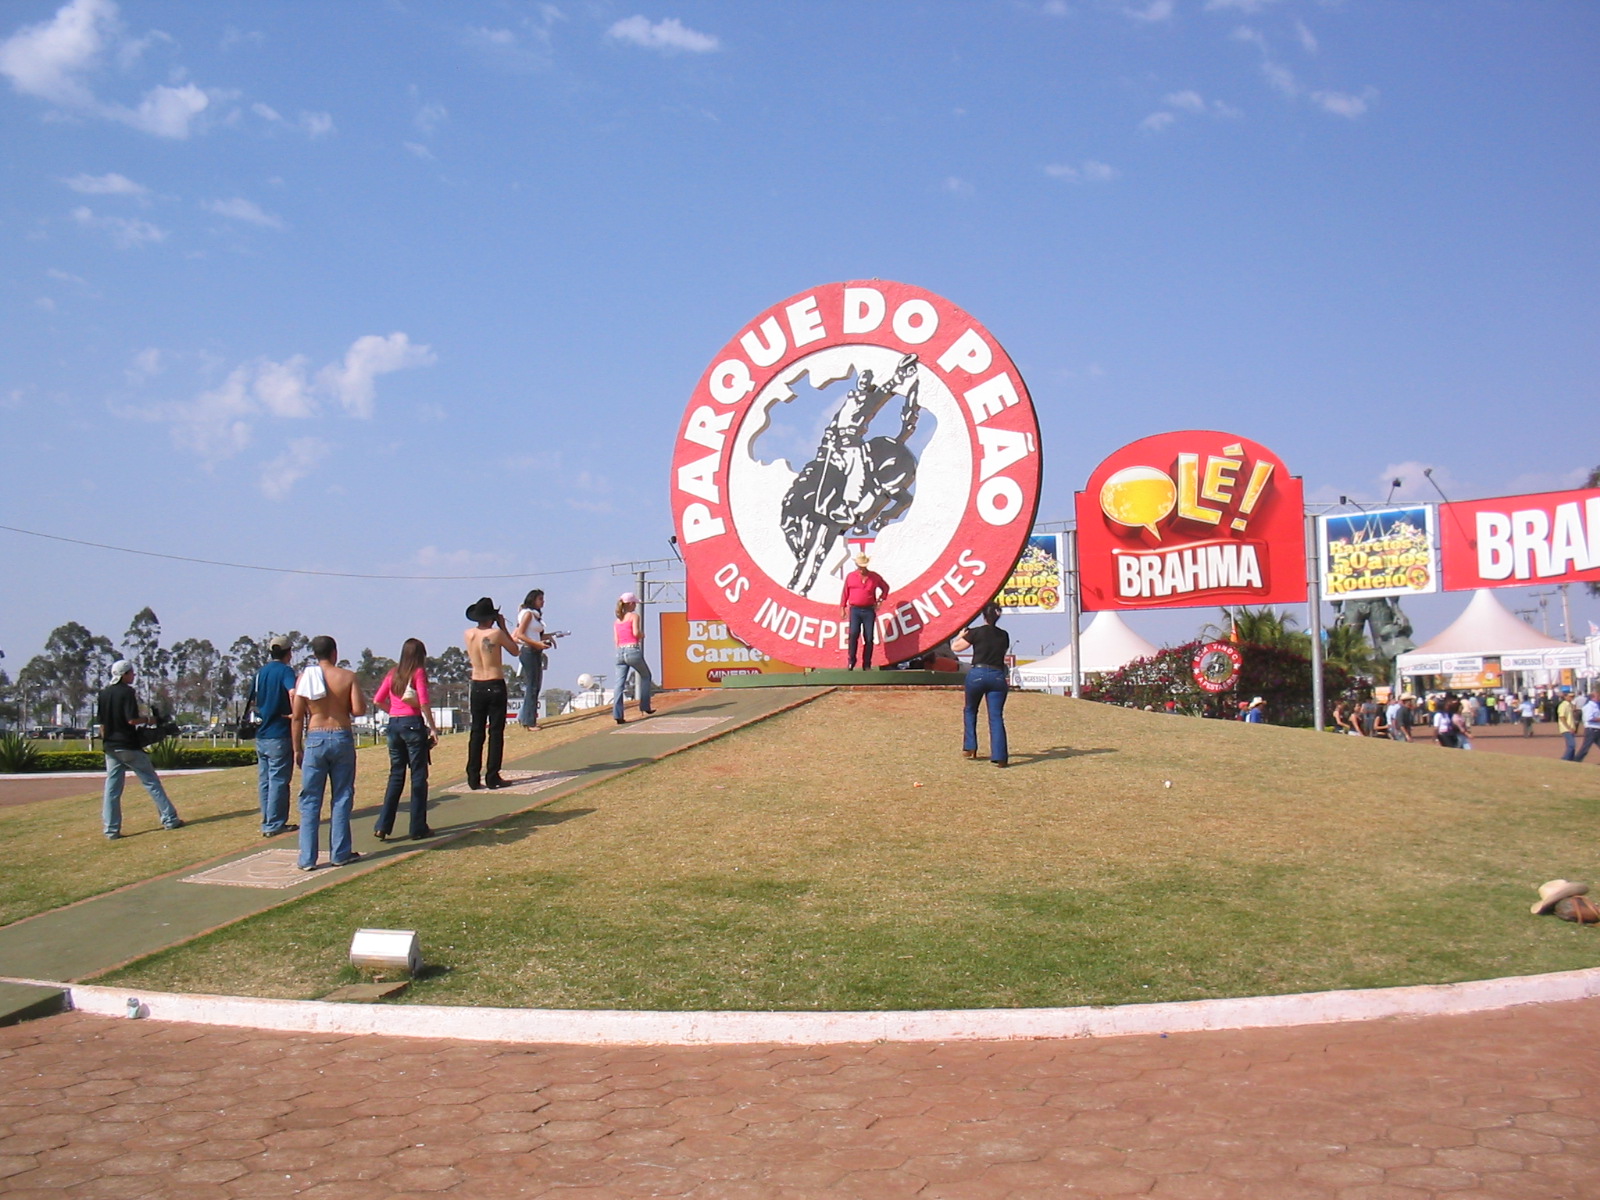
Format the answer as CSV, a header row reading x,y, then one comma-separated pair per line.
x,y
248,728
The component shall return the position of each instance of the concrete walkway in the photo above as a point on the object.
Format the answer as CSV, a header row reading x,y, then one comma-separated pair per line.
x,y
1499,1105
106,931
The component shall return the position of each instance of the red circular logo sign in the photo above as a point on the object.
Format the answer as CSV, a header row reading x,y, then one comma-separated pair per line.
x,y
1216,666
866,417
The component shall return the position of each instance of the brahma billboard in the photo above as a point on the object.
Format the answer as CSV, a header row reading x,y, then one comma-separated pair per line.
x,y
1514,541
1183,520
941,494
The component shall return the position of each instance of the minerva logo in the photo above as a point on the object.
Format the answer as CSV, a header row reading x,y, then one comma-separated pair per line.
x,y
857,417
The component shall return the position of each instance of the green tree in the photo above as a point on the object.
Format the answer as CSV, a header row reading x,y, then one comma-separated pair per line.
x,y
371,669
1259,627
1348,647
141,646
10,701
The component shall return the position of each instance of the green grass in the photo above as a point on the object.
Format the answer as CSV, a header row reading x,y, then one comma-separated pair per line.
x,y
56,854
843,856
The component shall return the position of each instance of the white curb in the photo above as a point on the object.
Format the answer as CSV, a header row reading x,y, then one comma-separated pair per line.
x,y
620,1028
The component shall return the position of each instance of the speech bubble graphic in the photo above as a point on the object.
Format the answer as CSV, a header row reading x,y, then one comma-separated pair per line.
x,y
1139,496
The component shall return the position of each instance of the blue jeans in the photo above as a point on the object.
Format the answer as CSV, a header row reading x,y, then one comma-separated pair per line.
x,y
1572,746
631,658
863,628
1591,735
986,682
532,663
274,768
408,748
118,763
330,757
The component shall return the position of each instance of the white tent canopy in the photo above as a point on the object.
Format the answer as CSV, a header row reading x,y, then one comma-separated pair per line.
x,y
1107,644
1487,630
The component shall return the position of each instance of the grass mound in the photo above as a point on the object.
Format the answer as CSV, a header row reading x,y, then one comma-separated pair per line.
x,y
844,856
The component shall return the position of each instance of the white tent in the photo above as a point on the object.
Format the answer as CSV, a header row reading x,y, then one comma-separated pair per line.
x,y
1487,630
1107,644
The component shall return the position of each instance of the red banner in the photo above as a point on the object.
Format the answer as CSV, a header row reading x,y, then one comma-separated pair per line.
x,y
1191,519
1514,541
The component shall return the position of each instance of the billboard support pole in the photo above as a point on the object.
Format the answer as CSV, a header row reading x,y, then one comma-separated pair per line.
x,y
1074,612
1314,621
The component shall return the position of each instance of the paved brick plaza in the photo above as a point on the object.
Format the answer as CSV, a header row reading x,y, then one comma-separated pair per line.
x,y
1503,1105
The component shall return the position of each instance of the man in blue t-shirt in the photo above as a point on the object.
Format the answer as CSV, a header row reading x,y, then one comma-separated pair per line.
x,y
274,753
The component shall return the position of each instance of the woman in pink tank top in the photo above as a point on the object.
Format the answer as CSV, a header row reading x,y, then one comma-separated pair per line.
x,y
629,634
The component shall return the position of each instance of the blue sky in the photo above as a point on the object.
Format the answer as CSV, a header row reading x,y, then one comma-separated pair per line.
x,y
422,288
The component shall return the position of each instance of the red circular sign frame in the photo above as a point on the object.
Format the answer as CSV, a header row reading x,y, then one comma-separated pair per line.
x,y
981,396
1208,653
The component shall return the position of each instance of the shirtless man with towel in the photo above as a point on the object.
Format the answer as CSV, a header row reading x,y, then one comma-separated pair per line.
x,y
326,696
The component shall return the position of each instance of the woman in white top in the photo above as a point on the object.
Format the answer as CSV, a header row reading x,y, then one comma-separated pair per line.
x,y
531,645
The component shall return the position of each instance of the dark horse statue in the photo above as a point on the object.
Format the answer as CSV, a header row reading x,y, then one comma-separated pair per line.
x,y
854,482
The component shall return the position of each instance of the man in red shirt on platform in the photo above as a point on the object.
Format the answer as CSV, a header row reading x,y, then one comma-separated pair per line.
x,y
863,589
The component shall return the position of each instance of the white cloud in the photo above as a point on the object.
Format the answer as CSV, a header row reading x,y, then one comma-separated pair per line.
x,y
221,422
352,383
1089,171
1055,8
46,60
1308,40
106,185
1187,101
282,388
419,150
147,364
429,117
165,111
66,276
668,36
280,475
45,304
1244,6
1342,104
240,209
125,233
956,186
1150,13
313,125
54,59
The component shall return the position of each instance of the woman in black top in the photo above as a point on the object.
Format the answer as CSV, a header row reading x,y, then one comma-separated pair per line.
x,y
987,677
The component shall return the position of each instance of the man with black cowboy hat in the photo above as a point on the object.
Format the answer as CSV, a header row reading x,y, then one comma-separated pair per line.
x,y
485,641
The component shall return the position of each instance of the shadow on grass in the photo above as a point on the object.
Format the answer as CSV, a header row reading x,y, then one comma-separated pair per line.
x,y
510,829
1058,752
192,822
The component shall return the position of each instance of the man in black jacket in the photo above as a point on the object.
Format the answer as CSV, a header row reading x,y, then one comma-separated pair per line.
x,y
119,724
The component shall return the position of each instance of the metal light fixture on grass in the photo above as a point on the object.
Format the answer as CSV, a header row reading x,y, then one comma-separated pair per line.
x,y
386,950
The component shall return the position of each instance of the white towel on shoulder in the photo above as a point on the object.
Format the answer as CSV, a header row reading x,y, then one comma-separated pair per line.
x,y
311,684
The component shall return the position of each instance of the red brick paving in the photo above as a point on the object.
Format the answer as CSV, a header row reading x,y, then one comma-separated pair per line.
x,y
1497,1106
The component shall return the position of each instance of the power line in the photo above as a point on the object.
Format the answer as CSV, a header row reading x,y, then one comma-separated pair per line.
x,y
210,562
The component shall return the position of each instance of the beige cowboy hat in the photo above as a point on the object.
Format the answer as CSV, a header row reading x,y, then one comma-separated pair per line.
x,y
1557,890
862,560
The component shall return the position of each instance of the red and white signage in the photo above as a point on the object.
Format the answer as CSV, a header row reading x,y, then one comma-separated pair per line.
x,y
1216,666
1513,541
1183,520
864,417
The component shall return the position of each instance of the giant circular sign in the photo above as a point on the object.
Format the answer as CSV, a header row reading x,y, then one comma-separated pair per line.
x,y
866,417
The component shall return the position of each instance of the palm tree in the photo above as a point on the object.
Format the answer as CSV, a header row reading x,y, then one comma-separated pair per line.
x,y
1347,646
1259,627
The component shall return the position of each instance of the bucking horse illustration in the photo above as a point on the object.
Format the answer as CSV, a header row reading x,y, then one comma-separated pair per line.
x,y
854,483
